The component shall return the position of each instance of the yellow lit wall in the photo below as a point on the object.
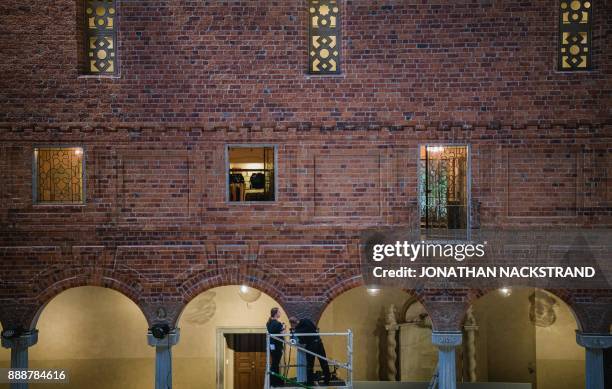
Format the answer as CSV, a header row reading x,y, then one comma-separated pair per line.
x,y
195,355
365,316
99,336
5,355
511,348
560,360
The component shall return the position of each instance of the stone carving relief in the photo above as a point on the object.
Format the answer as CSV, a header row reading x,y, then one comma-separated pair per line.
x,y
201,309
542,309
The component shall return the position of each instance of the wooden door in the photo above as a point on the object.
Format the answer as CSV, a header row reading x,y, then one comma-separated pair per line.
x,y
249,361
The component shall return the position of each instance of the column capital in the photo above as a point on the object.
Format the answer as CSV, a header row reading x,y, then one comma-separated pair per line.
x,y
449,339
25,340
168,341
594,340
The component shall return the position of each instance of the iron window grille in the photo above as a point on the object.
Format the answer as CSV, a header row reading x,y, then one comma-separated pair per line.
x,y
444,192
58,175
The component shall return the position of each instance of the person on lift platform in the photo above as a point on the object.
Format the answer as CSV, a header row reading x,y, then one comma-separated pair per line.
x,y
275,326
313,344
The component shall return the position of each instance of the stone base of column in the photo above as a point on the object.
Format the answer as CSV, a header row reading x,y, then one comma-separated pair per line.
x,y
19,352
594,345
163,357
446,341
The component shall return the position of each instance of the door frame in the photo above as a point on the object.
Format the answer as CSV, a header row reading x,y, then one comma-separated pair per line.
x,y
220,346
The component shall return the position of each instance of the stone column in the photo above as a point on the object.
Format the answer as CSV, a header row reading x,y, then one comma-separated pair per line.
x,y
594,345
19,352
391,327
446,341
470,328
163,358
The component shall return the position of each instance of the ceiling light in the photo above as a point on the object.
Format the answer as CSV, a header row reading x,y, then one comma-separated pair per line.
x,y
505,291
373,291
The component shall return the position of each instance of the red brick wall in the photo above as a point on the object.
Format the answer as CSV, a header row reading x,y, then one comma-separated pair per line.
x,y
243,62
196,76
157,225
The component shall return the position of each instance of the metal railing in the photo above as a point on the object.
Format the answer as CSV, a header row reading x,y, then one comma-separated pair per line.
x,y
348,365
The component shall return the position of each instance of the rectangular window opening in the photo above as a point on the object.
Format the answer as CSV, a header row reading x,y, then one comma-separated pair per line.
x,y
251,175
444,192
58,175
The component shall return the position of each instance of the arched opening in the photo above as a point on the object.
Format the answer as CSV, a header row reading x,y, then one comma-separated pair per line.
x,y
525,335
367,312
223,339
99,336
5,354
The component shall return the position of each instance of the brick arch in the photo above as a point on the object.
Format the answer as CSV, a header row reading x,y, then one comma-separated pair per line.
x,y
562,294
75,277
255,278
346,284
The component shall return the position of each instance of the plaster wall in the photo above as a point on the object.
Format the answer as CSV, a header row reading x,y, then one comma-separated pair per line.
x,y
365,316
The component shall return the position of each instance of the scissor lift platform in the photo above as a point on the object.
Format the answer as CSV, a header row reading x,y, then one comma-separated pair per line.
x,y
291,383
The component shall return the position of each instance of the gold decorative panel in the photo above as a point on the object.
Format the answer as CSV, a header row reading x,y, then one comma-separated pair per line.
x,y
324,35
59,175
100,21
575,34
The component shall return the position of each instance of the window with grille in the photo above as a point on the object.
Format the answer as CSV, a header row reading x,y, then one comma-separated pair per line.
x,y
100,37
575,35
324,37
443,198
251,175
58,175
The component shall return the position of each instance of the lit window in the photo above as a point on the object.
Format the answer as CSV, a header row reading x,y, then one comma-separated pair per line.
x,y
444,191
324,35
251,173
575,35
100,38
58,175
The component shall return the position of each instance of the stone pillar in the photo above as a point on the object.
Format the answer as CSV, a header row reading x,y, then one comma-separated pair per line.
x,y
19,352
470,328
391,327
446,341
163,358
594,345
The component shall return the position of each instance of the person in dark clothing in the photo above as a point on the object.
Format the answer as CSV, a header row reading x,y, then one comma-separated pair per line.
x,y
274,326
313,344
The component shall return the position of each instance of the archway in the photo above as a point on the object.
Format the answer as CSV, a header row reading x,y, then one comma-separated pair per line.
x,y
5,355
99,336
526,335
210,324
365,311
